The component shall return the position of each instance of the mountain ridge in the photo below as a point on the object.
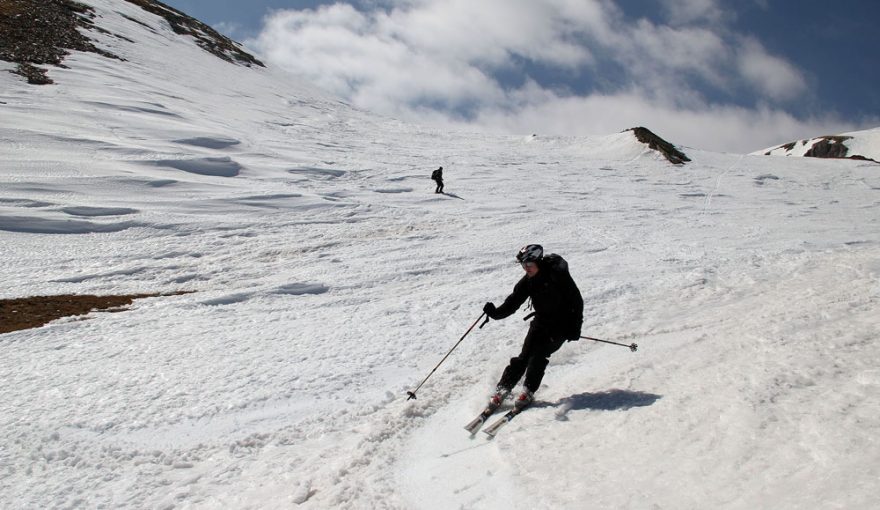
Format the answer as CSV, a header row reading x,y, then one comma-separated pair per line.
x,y
861,145
37,33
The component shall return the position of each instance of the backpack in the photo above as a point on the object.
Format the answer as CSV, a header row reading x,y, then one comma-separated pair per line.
x,y
558,273
556,263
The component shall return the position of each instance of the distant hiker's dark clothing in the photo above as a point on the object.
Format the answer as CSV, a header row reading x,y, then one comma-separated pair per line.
x,y
437,176
558,316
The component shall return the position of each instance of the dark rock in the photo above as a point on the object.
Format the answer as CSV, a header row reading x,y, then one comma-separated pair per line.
x,y
660,145
43,32
206,37
829,147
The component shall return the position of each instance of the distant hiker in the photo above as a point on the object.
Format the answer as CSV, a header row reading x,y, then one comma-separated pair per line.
x,y
437,176
558,315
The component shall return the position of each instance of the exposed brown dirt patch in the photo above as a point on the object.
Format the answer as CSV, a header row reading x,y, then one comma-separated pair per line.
x,y
35,311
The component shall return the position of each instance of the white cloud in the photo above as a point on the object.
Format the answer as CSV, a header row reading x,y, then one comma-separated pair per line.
x,y
773,76
440,60
664,58
231,29
718,128
358,57
489,32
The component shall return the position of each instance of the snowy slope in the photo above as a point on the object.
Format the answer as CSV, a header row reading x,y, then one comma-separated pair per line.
x,y
865,144
328,280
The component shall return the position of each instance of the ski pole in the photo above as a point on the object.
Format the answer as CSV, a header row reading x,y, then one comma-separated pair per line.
x,y
412,394
632,347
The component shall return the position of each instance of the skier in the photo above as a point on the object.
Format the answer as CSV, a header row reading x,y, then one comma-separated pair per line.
x,y
437,176
558,316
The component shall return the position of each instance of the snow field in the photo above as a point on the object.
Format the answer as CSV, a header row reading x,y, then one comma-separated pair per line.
x,y
328,280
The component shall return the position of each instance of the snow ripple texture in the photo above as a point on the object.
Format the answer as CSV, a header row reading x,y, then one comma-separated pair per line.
x,y
329,279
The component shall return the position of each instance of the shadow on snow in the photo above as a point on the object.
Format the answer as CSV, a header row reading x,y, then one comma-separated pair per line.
x,y
611,400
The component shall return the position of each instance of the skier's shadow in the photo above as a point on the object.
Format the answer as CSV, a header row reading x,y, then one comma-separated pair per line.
x,y
611,400
453,195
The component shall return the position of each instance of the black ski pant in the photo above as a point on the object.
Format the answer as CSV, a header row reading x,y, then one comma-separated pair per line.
x,y
439,186
532,360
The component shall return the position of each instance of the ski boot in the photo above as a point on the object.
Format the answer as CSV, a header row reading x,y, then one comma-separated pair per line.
x,y
501,393
524,399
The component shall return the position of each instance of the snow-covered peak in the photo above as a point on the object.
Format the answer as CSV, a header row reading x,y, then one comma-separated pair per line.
x,y
856,145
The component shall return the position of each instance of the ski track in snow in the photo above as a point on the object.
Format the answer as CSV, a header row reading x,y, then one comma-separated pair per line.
x,y
329,279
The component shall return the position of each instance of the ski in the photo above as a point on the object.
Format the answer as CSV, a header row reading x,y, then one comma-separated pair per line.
x,y
474,426
504,420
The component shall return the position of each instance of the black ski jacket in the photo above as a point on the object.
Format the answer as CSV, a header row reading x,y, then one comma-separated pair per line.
x,y
556,299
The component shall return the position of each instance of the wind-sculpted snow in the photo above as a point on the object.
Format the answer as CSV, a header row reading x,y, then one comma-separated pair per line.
x,y
137,108
216,167
209,142
98,211
296,289
393,190
37,225
764,179
327,279
24,202
329,173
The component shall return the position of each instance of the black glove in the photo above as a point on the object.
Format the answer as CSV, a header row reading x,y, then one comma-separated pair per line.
x,y
573,333
490,310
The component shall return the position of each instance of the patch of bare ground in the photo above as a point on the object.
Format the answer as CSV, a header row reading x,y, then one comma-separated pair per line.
x,y
35,311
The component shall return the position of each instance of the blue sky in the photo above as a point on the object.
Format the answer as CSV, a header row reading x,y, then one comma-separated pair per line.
x,y
726,75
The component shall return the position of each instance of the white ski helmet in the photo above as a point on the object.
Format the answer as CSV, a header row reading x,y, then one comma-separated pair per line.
x,y
530,253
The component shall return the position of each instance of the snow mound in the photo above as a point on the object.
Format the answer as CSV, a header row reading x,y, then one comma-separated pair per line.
x,y
631,145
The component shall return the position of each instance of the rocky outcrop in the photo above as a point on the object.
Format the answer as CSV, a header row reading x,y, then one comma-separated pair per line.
x,y
829,147
832,146
42,32
36,33
646,136
206,37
